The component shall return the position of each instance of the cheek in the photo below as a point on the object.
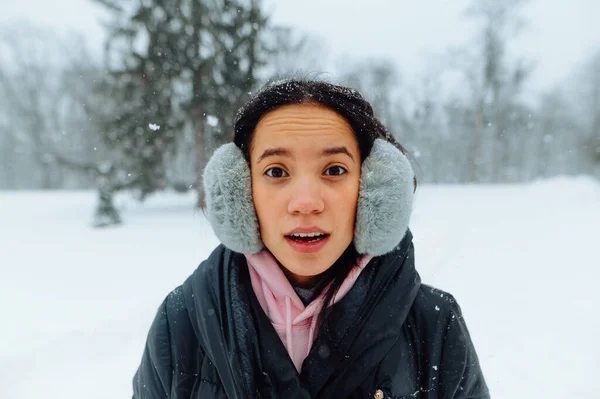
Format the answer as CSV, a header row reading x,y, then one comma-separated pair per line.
x,y
351,205
345,203
264,203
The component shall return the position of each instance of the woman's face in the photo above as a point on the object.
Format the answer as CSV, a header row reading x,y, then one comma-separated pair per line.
x,y
305,166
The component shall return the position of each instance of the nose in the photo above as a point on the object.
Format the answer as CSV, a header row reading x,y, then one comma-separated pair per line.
x,y
306,197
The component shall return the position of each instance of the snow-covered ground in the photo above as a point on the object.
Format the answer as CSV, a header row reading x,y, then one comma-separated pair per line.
x,y
522,261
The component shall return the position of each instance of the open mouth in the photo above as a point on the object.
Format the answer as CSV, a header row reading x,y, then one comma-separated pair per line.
x,y
307,238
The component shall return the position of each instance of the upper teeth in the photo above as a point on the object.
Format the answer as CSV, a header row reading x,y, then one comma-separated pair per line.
x,y
307,234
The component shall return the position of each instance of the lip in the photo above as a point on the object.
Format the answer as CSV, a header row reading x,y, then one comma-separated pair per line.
x,y
307,247
306,230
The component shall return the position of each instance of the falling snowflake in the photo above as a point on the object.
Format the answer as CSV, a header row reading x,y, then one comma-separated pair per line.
x,y
212,120
154,127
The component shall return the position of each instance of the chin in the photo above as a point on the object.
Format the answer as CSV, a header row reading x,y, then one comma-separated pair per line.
x,y
306,264
313,264
310,268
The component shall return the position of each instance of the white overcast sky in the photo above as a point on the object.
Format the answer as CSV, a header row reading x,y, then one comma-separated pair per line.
x,y
559,36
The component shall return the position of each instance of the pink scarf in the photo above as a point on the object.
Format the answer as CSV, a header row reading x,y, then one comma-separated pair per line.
x,y
295,323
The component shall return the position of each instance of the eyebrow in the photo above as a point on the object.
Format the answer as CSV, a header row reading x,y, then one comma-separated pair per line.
x,y
273,152
283,152
337,150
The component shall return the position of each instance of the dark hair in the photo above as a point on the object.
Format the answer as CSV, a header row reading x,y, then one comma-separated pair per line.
x,y
345,101
349,104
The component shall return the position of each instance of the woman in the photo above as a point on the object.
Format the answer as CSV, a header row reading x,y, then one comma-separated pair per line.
x,y
311,202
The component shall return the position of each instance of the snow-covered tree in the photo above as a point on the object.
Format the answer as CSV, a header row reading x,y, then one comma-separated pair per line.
x,y
178,66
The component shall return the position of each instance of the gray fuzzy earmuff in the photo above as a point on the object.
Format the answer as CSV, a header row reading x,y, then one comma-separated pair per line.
x,y
382,215
385,200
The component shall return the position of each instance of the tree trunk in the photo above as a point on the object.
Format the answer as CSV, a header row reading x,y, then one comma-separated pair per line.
x,y
476,149
200,153
8,162
595,128
106,214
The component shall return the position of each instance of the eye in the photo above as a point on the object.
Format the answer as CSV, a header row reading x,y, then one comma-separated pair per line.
x,y
335,171
276,173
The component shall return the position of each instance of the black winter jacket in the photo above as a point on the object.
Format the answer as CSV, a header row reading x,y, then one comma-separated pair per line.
x,y
392,336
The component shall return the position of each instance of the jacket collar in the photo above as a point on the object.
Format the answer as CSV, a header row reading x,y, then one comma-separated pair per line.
x,y
250,355
283,306
370,316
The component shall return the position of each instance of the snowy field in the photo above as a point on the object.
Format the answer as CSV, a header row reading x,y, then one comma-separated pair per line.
x,y
522,261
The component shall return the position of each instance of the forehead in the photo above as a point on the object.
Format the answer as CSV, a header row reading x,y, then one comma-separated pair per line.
x,y
303,125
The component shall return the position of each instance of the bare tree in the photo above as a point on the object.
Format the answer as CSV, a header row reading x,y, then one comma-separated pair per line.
x,y
293,53
590,104
495,85
44,80
28,85
378,80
